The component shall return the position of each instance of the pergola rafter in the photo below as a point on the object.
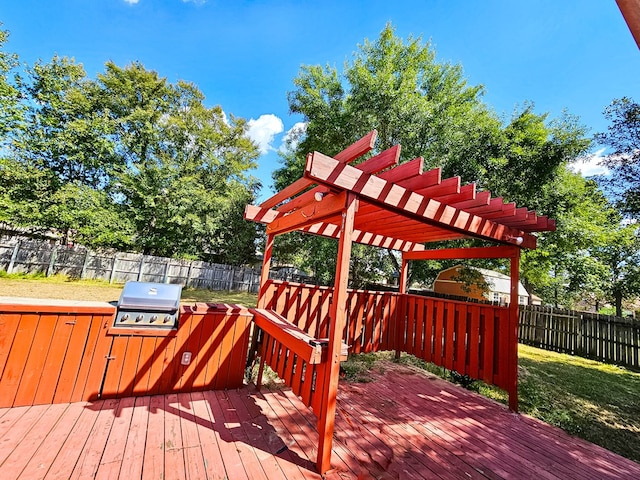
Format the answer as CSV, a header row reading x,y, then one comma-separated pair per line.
x,y
380,203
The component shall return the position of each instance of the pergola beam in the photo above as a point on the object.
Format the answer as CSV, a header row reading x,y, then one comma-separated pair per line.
x,y
630,10
374,164
503,251
349,154
396,198
328,206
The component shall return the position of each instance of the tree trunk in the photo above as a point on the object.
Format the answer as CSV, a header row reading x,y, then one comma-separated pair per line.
x,y
618,304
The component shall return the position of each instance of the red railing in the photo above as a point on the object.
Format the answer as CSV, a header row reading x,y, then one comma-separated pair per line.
x,y
469,338
307,306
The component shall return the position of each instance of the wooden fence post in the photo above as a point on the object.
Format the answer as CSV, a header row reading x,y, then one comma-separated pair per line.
x,y
140,268
167,265
85,263
52,260
14,256
186,284
113,268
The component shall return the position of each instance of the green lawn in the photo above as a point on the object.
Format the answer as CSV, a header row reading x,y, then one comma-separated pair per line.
x,y
592,400
207,296
64,288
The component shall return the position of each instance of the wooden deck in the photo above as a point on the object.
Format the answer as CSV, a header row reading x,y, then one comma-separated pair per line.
x,y
404,424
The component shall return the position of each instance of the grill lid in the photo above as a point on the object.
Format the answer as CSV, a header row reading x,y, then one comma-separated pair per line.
x,y
150,296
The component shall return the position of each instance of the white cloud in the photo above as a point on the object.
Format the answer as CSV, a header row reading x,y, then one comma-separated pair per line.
x,y
591,164
195,2
293,136
263,131
132,2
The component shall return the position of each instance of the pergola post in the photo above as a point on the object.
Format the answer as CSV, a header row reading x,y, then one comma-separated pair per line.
x,y
262,300
404,276
337,316
266,266
513,332
399,317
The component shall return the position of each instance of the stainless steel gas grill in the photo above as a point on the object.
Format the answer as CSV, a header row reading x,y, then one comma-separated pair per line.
x,y
149,305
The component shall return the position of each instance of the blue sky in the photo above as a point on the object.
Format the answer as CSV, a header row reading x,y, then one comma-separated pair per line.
x,y
576,55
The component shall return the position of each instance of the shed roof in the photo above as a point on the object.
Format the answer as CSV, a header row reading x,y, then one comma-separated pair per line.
x,y
497,282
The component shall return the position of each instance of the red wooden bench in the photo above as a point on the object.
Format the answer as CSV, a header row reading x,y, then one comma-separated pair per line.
x,y
297,357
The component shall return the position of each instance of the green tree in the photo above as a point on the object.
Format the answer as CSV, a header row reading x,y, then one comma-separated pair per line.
x,y
400,89
184,164
128,160
11,108
620,258
61,159
66,132
24,193
530,157
575,263
623,137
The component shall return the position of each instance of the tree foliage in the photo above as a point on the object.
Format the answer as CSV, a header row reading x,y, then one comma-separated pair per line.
x,y
400,88
623,137
561,270
127,160
185,162
10,106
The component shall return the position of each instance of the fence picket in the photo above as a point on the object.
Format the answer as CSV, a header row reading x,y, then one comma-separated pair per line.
x,y
34,256
605,338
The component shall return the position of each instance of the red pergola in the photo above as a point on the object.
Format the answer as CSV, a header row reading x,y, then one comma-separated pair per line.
x,y
399,207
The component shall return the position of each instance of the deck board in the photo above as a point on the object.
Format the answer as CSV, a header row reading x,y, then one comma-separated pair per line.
x,y
403,425
50,448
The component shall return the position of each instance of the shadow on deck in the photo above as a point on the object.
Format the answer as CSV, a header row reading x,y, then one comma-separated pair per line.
x,y
403,424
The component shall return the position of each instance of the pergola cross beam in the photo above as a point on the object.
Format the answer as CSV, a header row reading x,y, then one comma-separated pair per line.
x,y
404,202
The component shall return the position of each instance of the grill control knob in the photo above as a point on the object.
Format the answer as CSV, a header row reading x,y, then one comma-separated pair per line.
x,y
139,318
153,318
167,318
125,317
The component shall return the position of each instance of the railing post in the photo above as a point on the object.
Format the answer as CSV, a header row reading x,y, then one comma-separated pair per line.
x,y
264,274
401,309
399,324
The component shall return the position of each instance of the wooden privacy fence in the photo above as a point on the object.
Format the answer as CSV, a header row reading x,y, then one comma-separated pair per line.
x,y
41,257
469,338
600,337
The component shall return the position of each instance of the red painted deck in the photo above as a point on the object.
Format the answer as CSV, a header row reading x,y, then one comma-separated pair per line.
x,y
404,424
